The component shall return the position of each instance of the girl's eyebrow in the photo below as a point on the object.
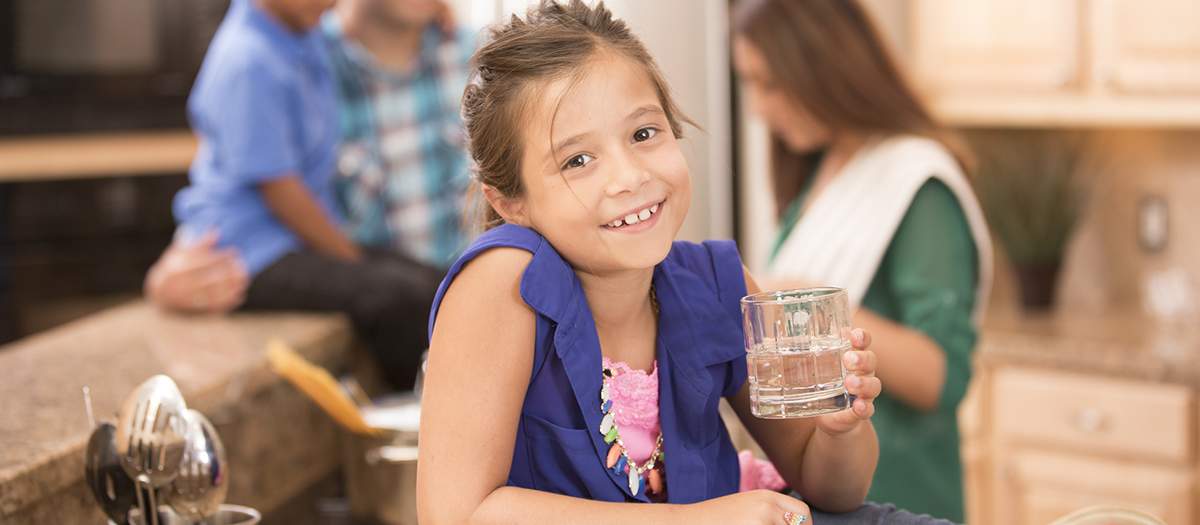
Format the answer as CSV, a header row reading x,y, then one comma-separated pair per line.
x,y
649,108
574,139
559,146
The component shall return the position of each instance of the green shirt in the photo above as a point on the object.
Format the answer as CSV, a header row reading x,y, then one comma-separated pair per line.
x,y
926,281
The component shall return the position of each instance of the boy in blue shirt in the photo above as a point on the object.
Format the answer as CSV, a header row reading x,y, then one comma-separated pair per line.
x,y
265,109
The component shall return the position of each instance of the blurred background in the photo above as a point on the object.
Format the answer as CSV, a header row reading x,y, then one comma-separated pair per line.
x,y
1084,116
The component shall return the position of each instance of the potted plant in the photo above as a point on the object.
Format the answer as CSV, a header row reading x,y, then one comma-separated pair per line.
x,y
1030,186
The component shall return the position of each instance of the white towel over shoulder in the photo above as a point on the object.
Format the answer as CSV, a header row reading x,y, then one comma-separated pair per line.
x,y
843,235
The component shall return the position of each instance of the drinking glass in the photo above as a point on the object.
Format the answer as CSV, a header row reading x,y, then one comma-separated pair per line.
x,y
794,345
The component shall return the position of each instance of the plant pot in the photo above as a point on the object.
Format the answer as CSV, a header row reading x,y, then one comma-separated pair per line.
x,y
1038,283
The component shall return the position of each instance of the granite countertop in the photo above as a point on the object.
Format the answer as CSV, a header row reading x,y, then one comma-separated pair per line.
x,y
1123,346
216,361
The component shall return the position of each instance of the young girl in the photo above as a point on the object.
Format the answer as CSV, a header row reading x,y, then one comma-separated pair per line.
x,y
578,354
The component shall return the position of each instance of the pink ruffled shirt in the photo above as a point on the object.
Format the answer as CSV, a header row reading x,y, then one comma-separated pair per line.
x,y
634,395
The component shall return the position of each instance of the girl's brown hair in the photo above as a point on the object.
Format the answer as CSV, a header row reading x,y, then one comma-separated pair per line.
x,y
553,41
828,58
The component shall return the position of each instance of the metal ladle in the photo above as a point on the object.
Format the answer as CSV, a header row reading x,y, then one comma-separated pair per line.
x,y
200,488
151,437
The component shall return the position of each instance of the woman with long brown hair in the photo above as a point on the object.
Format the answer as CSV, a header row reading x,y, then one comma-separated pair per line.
x,y
872,197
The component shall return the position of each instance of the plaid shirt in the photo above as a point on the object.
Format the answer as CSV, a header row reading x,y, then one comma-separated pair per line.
x,y
403,163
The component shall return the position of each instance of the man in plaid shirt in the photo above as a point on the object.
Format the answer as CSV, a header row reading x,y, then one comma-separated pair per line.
x,y
402,165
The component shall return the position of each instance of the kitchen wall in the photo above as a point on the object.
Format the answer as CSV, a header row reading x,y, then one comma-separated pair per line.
x,y
1106,268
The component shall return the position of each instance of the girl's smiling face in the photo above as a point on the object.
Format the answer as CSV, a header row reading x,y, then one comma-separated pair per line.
x,y
605,181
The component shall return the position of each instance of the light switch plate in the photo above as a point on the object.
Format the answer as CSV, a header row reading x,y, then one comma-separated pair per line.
x,y
1153,223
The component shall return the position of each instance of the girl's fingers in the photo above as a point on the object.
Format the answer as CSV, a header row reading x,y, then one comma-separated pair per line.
x,y
861,339
863,408
789,506
861,362
867,387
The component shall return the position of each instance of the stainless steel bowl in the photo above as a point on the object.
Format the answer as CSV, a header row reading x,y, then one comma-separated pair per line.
x,y
381,471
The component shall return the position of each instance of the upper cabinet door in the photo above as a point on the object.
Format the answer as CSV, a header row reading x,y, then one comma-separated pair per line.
x,y
998,46
1149,47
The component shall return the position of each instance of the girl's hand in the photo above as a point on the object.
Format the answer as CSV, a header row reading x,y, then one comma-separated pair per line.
x,y
860,383
756,507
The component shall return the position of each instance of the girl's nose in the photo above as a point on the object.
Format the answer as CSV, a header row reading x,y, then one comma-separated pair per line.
x,y
628,174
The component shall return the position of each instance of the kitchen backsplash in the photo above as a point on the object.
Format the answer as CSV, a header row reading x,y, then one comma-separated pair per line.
x,y
1108,266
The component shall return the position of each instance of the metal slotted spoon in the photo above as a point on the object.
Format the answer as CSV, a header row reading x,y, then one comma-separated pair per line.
x,y
151,438
200,488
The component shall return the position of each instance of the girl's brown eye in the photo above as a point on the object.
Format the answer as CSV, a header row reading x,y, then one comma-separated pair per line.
x,y
578,161
644,134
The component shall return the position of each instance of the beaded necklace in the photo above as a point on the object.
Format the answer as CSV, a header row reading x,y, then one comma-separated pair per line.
x,y
618,456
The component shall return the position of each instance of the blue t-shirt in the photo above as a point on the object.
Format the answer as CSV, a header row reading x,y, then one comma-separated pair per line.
x,y
700,354
264,106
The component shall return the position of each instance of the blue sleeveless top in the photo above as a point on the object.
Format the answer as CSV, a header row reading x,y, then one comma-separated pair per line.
x,y
700,356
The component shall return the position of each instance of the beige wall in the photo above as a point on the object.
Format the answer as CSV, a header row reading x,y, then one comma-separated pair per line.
x,y
1105,267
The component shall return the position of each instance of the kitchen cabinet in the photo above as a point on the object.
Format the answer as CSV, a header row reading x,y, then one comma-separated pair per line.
x,y
1056,62
1058,419
1003,47
1041,487
1149,48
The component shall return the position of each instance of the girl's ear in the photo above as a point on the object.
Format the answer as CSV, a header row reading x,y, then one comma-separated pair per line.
x,y
512,209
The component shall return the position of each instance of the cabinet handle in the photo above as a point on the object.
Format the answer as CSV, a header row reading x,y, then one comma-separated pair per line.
x,y
1091,420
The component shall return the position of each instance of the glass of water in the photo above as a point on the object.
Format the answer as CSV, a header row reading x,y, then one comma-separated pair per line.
x,y
794,345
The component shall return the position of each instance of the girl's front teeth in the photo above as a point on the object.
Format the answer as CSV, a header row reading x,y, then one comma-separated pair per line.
x,y
634,218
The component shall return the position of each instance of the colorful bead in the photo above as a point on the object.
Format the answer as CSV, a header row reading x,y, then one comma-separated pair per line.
x,y
635,481
606,424
619,468
611,435
654,478
614,454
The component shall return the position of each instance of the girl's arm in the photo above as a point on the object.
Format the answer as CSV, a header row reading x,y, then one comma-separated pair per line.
x,y
830,459
478,373
294,205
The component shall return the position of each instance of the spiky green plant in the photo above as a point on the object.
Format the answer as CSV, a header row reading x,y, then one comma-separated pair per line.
x,y
1031,187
